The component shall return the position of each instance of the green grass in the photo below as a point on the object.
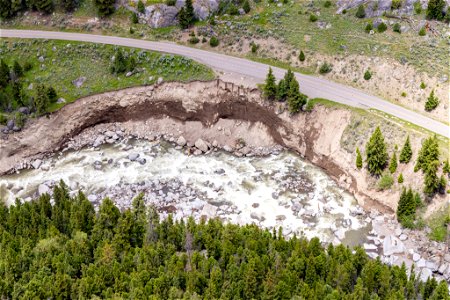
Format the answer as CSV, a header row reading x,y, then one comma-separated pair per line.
x,y
437,224
63,64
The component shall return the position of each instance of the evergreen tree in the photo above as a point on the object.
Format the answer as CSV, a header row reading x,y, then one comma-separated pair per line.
x,y
376,155
359,161
406,208
435,9
4,74
17,69
246,6
5,9
432,102
41,100
446,168
141,7
361,12
104,7
44,6
400,178
428,153
282,90
52,95
186,16
393,163
270,87
301,57
69,5
432,183
406,154
295,99
120,63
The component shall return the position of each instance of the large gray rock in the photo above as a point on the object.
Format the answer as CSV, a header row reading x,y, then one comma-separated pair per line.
x,y
24,110
10,124
202,8
43,189
201,145
133,156
392,245
161,15
37,163
181,141
79,81
209,210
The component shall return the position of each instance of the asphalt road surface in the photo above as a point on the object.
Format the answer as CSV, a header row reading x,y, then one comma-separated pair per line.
x,y
309,85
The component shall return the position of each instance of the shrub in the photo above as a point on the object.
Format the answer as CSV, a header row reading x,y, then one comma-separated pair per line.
x,y
52,95
376,155
204,40
396,4
367,75
232,9
27,66
369,27
423,85
255,47
422,31
403,94
359,162
344,11
327,4
406,154
3,119
132,30
141,7
246,7
325,68
393,164
192,33
418,7
361,12
214,41
400,178
382,27
194,40
270,86
435,9
171,2
313,18
386,181
397,28
19,119
309,105
301,56
134,19
432,102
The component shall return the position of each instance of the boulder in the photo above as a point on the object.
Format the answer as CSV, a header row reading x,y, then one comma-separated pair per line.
x,y
43,189
202,8
79,81
61,101
37,163
201,145
24,110
257,216
92,198
181,141
416,257
161,15
133,156
10,124
425,274
392,245
209,210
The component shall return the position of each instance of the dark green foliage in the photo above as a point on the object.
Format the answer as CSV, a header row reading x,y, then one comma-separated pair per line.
x,y
186,15
382,27
400,178
134,18
17,69
123,63
367,75
301,56
69,5
369,27
246,7
27,66
396,4
254,46
67,251
435,9
19,119
446,168
194,40
359,161
406,154
52,95
432,183
432,102
282,90
140,7
423,85
417,7
376,155
44,6
396,28
3,119
393,164
104,7
327,4
41,101
313,18
4,74
171,2
361,12
270,86
214,41
295,99
325,68
386,182
407,206
422,31
428,162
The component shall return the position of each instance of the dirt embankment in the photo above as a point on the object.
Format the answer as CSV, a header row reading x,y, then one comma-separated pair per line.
x,y
214,111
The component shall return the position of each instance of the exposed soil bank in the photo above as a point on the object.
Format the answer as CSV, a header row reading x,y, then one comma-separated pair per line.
x,y
214,111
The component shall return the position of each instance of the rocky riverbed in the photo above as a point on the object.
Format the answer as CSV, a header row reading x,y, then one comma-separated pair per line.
x,y
268,186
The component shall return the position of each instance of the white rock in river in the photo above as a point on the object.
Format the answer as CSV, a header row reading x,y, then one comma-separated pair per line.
x,y
37,163
133,156
425,274
209,210
370,247
201,145
421,263
92,198
340,233
416,257
257,216
398,232
43,189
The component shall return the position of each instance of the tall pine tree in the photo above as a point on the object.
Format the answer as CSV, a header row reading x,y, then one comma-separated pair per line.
x,y
406,154
376,155
270,87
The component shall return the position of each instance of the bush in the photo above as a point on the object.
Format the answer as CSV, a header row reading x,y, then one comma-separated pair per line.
x,y
255,47
246,7
134,18
367,75
171,2
432,102
52,95
325,68
327,4
386,181
301,56
423,85
382,27
194,40
132,30
359,162
393,164
344,11
361,12
418,7
403,94
27,66
422,31
397,28
204,40
214,41
19,119
141,7
309,105
396,4
400,178
3,119
313,18
369,27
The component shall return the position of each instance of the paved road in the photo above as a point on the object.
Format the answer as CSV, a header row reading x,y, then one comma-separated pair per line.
x,y
311,86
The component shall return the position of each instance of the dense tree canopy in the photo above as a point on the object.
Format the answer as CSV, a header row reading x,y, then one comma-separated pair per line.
x,y
66,250
376,153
